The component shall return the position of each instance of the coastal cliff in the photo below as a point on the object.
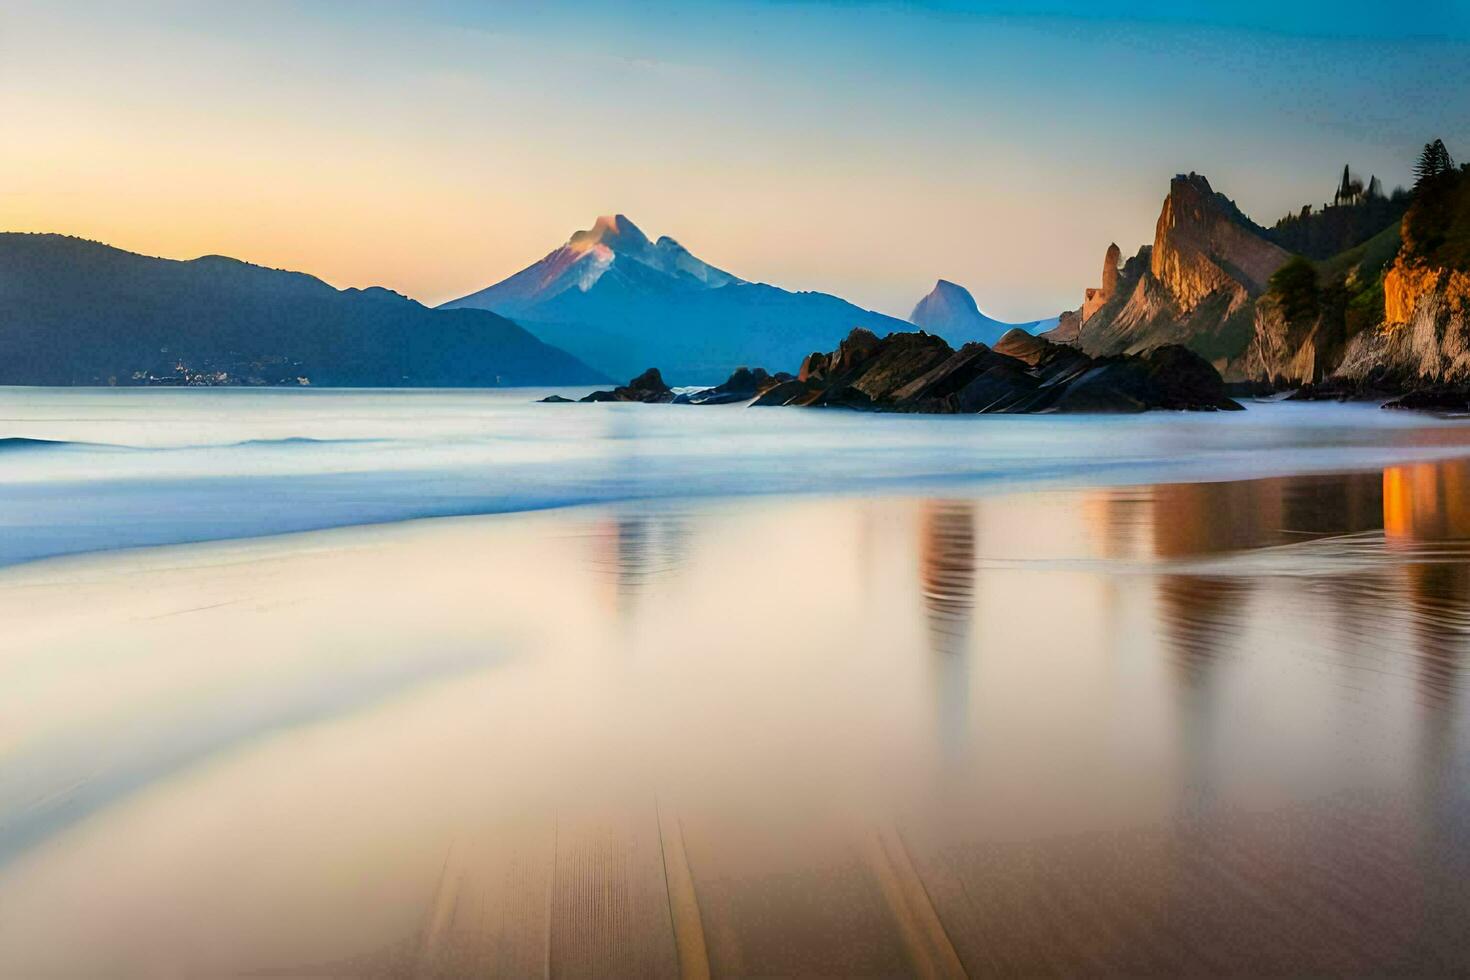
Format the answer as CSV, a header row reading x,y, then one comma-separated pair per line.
x,y
1369,296
1390,315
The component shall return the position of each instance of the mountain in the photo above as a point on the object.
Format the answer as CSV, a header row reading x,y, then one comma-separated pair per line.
x,y
1196,284
621,302
75,312
950,311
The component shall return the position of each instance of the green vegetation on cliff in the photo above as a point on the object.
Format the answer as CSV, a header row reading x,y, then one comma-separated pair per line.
x,y
1437,224
1345,290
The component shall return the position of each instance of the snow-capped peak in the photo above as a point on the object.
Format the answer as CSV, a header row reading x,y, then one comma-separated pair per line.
x,y
613,231
612,242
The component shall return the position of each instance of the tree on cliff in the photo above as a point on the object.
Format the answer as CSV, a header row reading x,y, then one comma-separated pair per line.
x,y
1295,287
1434,160
1436,229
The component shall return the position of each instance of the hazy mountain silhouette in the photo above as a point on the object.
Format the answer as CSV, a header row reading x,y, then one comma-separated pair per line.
x,y
950,311
75,312
623,303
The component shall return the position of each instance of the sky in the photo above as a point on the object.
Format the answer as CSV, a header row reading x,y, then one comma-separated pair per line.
x,y
864,149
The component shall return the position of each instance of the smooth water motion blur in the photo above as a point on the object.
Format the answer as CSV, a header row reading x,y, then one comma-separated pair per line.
x,y
1164,694
95,469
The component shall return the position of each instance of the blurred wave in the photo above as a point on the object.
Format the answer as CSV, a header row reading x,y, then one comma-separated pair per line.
x,y
94,469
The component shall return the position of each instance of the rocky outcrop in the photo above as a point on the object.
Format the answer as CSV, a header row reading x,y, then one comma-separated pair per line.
x,y
920,373
1094,299
1203,244
1433,346
1284,352
874,369
1409,286
1195,285
742,385
1422,342
648,387
1069,326
1021,374
1447,399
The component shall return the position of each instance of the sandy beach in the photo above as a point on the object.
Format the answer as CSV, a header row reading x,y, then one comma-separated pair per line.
x,y
1112,729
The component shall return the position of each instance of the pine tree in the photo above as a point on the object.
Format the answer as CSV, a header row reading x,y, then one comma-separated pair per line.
x,y
1424,168
1434,160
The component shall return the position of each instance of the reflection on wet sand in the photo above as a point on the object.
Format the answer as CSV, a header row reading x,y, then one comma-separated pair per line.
x,y
1164,729
1427,516
636,549
947,571
947,583
1427,502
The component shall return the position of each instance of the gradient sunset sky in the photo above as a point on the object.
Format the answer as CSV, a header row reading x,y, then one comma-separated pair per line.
x,y
858,148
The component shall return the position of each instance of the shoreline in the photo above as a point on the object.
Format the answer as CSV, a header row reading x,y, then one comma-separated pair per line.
x,y
384,498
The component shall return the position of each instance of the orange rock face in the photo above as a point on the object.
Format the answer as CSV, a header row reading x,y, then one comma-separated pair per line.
x,y
1406,284
1195,285
1094,299
1197,238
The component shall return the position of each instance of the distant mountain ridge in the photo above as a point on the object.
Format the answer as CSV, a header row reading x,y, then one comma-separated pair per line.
x,y
951,312
621,302
76,312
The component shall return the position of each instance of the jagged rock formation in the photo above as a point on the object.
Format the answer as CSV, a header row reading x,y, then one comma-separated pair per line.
x,y
648,387
1286,352
1094,299
1203,245
1430,342
920,373
743,385
1195,285
1068,328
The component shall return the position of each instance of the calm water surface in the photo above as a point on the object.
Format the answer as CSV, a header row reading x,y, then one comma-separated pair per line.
x,y
1051,696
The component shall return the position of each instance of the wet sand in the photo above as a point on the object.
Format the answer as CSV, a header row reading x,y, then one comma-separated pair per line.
x,y
1181,728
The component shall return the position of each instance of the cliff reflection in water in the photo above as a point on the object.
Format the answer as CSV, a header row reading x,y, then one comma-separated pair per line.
x,y
1162,729
1426,516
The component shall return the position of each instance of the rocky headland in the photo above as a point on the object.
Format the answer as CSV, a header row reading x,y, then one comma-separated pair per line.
x,y
1367,298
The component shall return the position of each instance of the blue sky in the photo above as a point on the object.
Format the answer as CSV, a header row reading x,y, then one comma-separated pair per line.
x,y
860,148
